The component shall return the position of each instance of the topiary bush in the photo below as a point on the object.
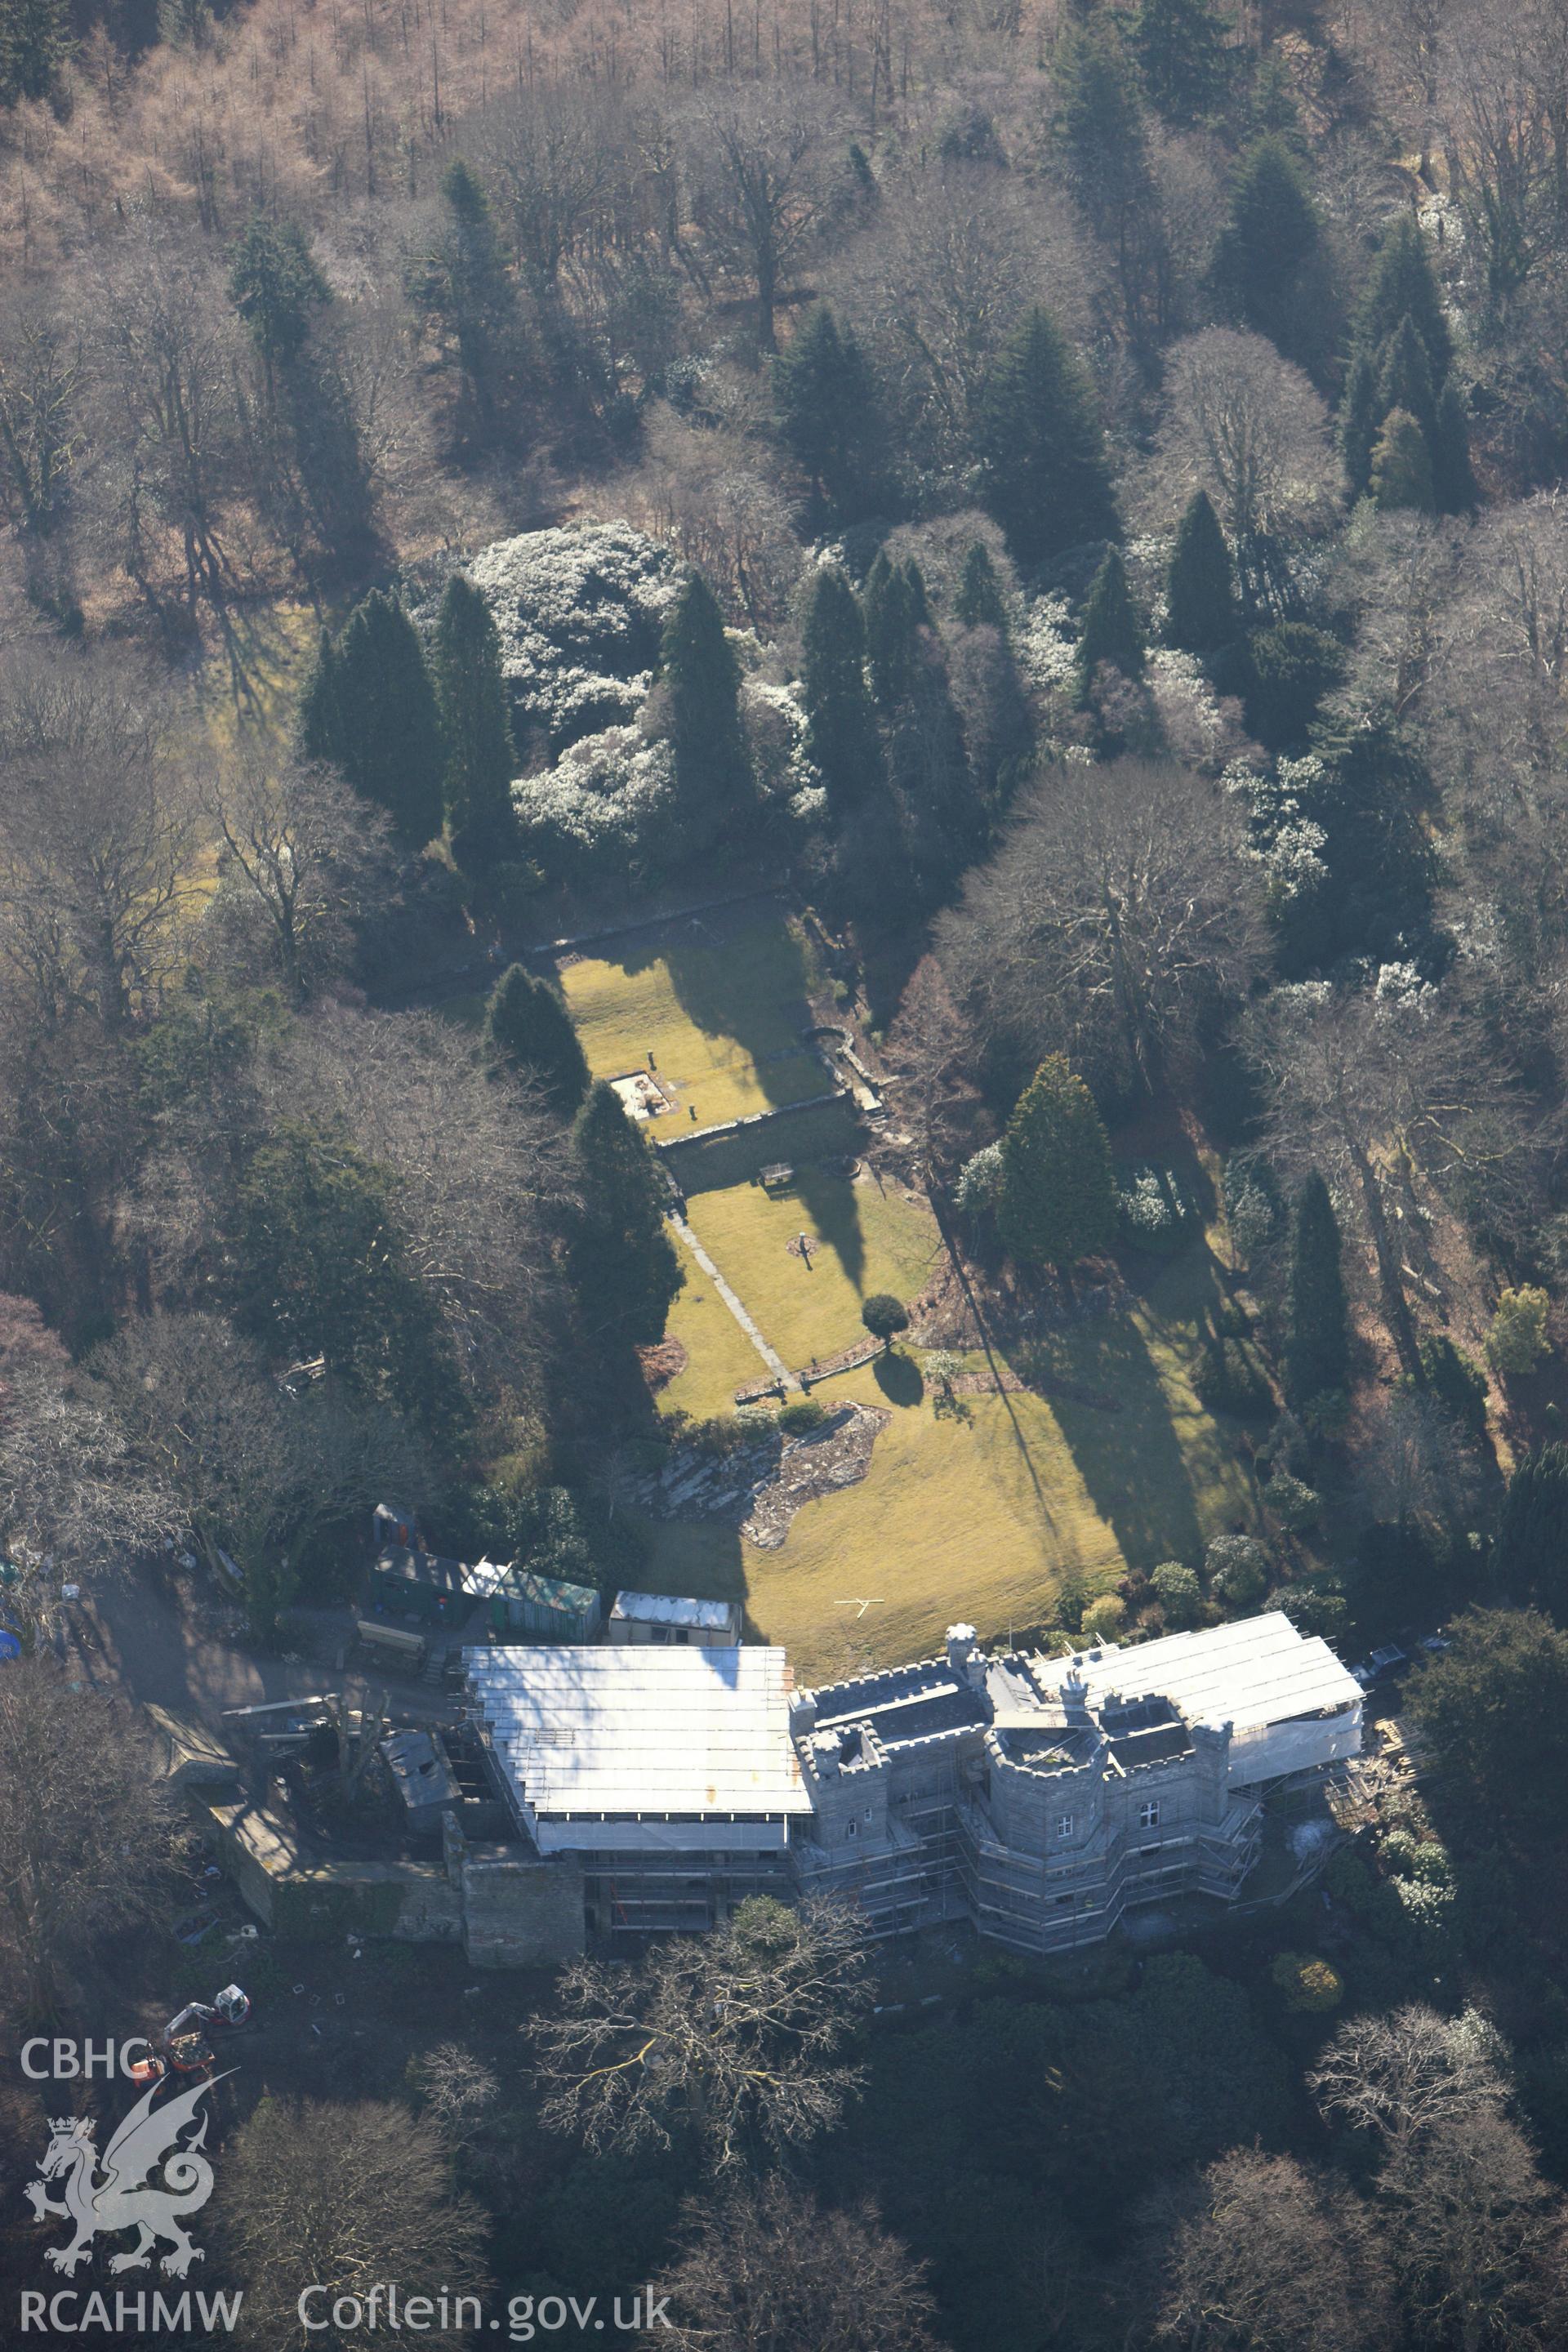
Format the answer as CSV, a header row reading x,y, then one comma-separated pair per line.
x,y
1239,1569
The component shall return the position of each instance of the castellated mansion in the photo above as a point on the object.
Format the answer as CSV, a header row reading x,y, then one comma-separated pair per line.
x,y
1040,1797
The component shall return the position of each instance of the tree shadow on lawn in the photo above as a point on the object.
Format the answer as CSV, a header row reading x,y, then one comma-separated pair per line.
x,y
1130,1460
898,1378
740,973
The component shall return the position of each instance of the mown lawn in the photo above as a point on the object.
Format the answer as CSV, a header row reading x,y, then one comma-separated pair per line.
x,y
862,1237
722,1358
985,1516
716,1002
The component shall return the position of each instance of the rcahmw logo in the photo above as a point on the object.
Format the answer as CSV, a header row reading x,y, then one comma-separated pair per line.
x,y
149,2178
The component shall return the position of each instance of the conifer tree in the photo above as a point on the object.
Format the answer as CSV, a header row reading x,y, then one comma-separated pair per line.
x,y
1401,285
1101,121
841,726
1400,466
701,681
1040,449
1402,357
372,711
319,724
1200,592
890,624
470,693
1317,1343
825,402
463,280
1532,1536
1180,52
1359,420
1405,377
528,1027
978,604
623,1263
1059,1195
34,43
1270,235
1452,480
1112,630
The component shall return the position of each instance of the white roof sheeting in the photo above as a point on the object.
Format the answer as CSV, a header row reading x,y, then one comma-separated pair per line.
x,y
665,1608
1257,1671
641,1731
1260,1676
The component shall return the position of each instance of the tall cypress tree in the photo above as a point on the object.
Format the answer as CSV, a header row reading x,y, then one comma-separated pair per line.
x,y
891,623
1402,357
1270,237
1401,284
1404,378
701,680
841,726
978,603
1200,592
1101,121
528,1027
470,693
387,730
1112,630
1317,1341
1059,1194
1040,447
623,1263
825,397
1359,419
1452,480
1180,52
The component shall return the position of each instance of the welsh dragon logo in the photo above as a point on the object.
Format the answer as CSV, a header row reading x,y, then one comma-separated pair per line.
x,y
123,2196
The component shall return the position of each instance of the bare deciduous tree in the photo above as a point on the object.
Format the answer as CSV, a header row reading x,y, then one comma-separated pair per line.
x,y
767,181
86,1826
1399,2076
734,2037
244,1465
1247,428
1479,2239
350,2198
771,2267
1264,2256
304,851
937,282
1388,1088
98,833
166,348
1117,915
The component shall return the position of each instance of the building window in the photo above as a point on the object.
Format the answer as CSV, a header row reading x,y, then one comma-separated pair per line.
x,y
1149,1817
1063,1825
